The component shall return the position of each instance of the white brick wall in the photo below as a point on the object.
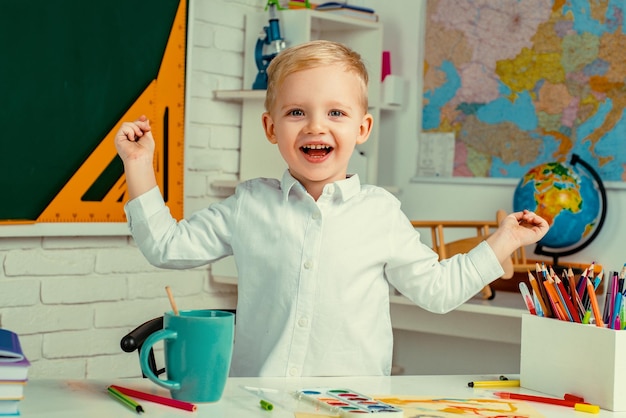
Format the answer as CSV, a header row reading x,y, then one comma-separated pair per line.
x,y
71,299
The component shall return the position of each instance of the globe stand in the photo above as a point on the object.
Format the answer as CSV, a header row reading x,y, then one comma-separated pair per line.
x,y
540,249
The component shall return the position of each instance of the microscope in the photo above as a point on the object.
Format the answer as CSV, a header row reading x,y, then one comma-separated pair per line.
x,y
269,44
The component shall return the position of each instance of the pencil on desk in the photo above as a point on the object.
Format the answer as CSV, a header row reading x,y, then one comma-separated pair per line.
x,y
174,403
578,406
125,400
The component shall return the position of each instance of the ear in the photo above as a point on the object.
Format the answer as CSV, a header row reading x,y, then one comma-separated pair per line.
x,y
365,129
268,127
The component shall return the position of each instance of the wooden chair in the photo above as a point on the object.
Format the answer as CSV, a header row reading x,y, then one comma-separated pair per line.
x,y
478,230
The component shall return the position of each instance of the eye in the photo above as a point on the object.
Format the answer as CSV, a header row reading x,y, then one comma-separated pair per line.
x,y
335,113
295,112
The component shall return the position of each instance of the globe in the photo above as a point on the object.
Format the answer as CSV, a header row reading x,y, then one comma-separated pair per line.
x,y
570,197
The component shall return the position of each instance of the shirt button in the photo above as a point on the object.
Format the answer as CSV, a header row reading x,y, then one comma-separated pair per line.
x,y
293,371
308,264
316,215
303,322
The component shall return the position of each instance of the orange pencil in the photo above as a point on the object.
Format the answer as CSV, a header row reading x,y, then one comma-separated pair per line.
x,y
574,296
554,299
594,304
535,287
568,302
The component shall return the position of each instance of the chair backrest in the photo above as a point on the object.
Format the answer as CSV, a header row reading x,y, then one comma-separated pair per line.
x,y
477,231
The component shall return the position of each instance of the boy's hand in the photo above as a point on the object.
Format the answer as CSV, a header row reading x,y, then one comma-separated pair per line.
x,y
135,146
527,226
134,140
517,230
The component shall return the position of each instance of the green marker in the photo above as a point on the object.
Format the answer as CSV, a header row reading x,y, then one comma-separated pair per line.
x,y
266,405
587,316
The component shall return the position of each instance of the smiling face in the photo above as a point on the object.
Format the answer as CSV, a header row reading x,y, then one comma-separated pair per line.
x,y
317,118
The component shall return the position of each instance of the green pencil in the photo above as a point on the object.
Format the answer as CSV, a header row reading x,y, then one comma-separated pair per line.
x,y
116,394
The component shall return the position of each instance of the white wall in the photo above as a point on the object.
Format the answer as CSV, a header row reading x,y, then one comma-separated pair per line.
x,y
71,299
440,199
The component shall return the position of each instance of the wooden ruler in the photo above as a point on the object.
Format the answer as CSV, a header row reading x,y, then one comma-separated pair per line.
x,y
163,102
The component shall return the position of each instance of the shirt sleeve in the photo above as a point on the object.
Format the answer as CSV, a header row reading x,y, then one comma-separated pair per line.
x,y
438,286
168,243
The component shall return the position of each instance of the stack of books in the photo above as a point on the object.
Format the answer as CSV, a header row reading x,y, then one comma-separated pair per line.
x,y
13,373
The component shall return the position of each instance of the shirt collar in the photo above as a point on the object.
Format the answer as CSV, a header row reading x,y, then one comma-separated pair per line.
x,y
346,188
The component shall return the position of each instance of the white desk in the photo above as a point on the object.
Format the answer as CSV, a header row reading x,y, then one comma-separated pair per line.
x,y
89,398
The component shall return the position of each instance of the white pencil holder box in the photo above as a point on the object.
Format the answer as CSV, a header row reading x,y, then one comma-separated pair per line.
x,y
559,357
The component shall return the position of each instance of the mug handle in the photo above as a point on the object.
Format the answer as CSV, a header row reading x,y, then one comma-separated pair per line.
x,y
164,334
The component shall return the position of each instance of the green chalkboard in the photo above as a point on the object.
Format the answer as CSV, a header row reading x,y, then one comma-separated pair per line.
x,y
69,69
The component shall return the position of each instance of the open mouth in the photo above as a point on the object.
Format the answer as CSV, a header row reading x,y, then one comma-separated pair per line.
x,y
316,150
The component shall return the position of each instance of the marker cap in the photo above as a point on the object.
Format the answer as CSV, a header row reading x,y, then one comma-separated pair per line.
x,y
589,408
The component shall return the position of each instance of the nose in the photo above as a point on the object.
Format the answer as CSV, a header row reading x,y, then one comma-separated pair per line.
x,y
316,124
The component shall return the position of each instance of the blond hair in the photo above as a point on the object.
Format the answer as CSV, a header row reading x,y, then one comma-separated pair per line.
x,y
310,55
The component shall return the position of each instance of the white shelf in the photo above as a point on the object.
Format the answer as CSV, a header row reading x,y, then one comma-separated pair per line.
x,y
65,229
505,304
239,95
260,158
336,23
390,107
498,320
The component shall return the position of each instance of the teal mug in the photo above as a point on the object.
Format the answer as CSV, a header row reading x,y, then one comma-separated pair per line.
x,y
198,347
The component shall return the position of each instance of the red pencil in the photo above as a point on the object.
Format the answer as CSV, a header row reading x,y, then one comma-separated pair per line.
x,y
156,399
579,406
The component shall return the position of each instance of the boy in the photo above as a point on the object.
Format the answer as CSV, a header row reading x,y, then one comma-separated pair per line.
x,y
317,250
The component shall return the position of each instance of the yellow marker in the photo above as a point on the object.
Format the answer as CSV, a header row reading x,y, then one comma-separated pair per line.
x,y
493,383
586,407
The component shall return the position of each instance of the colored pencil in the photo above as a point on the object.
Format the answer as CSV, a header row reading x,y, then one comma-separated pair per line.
x,y
535,286
156,399
544,294
594,304
568,302
125,400
170,296
579,406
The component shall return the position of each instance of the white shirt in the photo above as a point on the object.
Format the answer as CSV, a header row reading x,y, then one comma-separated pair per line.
x,y
313,277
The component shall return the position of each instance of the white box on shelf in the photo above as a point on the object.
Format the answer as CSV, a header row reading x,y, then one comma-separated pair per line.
x,y
393,89
559,357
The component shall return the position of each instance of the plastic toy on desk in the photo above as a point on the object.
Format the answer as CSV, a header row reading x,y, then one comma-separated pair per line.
x,y
269,44
347,402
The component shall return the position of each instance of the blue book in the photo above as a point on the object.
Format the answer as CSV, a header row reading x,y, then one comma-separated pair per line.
x,y
13,363
10,348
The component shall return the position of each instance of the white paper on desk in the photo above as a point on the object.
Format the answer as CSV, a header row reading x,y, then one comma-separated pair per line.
x,y
435,154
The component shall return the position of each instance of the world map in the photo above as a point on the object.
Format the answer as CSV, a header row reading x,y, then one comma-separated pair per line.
x,y
524,82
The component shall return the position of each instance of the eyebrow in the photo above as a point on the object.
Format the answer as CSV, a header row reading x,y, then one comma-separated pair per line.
x,y
331,105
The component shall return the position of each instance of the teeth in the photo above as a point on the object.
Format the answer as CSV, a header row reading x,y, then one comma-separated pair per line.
x,y
316,146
